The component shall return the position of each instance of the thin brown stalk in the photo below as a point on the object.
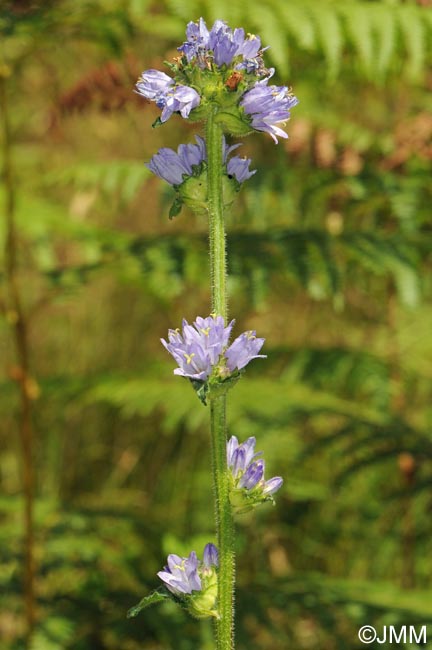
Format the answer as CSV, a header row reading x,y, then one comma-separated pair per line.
x,y
21,373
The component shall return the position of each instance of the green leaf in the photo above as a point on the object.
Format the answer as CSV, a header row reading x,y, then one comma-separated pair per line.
x,y
412,28
158,122
384,27
358,20
297,22
176,207
201,388
272,33
328,26
155,597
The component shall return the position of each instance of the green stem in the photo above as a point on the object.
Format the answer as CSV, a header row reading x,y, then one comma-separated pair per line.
x,y
221,480
216,216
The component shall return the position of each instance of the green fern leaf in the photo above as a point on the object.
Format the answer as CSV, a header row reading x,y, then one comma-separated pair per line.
x,y
232,12
413,30
138,8
298,23
359,24
272,32
328,26
384,27
189,10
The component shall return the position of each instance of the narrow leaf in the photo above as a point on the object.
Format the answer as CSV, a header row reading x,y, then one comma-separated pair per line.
x,y
147,601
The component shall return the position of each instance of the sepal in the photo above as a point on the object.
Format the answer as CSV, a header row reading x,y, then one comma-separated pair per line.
x,y
158,122
201,604
215,386
193,192
244,500
230,188
201,389
234,122
219,386
176,207
199,114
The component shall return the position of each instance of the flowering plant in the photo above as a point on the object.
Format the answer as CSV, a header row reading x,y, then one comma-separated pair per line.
x,y
219,78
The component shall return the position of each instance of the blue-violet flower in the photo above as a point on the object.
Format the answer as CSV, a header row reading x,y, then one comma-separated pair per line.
x,y
242,350
201,349
268,106
175,167
167,94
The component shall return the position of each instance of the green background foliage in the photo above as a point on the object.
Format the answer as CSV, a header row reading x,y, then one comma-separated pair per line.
x,y
330,257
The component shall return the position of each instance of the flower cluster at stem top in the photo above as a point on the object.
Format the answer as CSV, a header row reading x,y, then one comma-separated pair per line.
x,y
220,69
248,486
193,581
201,350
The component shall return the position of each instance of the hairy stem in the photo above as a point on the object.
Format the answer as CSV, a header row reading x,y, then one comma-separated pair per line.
x,y
224,518
214,142
16,317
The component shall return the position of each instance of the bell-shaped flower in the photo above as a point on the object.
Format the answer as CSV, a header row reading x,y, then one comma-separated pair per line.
x,y
239,169
180,575
168,95
267,106
176,167
153,84
242,350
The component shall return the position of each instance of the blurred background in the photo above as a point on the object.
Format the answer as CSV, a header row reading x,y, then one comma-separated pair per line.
x,y
104,454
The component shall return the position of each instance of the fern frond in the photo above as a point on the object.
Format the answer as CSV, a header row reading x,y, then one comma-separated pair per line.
x,y
384,26
121,177
413,29
298,23
272,32
329,30
189,10
359,26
